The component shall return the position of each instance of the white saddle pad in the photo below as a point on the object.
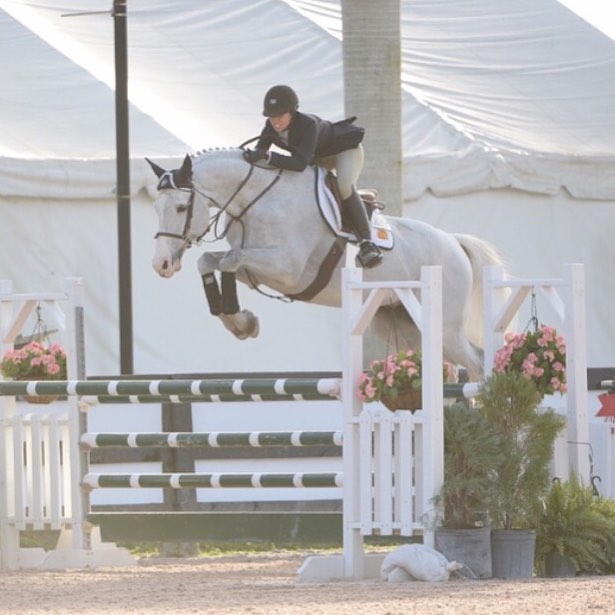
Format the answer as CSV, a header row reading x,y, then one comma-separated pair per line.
x,y
382,235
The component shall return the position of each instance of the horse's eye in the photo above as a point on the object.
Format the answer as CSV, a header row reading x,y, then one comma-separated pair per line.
x,y
181,209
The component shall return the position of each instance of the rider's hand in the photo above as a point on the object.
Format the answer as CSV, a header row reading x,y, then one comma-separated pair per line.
x,y
253,156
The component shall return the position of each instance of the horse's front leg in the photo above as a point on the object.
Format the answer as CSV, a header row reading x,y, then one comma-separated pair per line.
x,y
222,299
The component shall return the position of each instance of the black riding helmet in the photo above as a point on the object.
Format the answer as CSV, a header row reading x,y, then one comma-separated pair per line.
x,y
280,99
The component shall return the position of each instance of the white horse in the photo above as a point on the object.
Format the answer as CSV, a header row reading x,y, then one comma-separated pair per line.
x,y
278,238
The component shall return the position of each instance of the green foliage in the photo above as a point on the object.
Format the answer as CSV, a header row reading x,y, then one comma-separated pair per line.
x,y
509,403
579,526
471,451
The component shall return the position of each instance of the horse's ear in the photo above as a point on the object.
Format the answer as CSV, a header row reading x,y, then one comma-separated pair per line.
x,y
158,170
185,172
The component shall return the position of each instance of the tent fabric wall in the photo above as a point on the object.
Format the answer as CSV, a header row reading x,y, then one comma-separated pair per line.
x,y
509,133
544,234
44,241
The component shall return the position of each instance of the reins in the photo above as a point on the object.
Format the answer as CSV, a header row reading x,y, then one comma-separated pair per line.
x,y
244,210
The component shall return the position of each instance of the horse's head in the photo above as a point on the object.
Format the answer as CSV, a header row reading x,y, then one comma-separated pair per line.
x,y
183,216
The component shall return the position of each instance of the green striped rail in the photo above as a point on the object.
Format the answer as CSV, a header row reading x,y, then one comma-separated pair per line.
x,y
211,439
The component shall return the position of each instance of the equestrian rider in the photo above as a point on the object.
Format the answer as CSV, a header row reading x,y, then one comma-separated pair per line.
x,y
311,140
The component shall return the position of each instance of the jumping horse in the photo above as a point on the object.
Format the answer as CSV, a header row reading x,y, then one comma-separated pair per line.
x,y
279,239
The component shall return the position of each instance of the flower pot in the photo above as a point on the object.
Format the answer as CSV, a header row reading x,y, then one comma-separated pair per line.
x,y
512,553
40,399
410,400
37,399
471,547
558,565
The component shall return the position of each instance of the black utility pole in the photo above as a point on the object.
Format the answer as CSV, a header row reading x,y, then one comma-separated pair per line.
x,y
123,187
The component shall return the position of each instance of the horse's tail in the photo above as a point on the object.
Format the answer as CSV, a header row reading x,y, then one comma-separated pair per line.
x,y
481,253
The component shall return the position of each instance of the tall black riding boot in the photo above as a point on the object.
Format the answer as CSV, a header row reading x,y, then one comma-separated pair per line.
x,y
369,255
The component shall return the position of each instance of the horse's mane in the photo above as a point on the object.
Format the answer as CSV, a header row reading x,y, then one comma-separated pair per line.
x,y
210,150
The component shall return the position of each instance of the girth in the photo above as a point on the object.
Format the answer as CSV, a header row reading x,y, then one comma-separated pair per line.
x,y
325,271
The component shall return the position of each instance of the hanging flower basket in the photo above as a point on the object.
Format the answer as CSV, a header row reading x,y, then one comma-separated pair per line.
x,y
408,400
35,361
396,380
37,399
539,355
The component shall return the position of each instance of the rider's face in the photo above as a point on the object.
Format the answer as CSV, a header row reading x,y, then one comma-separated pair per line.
x,y
280,123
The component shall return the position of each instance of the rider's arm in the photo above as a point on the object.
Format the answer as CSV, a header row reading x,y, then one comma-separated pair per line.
x,y
303,139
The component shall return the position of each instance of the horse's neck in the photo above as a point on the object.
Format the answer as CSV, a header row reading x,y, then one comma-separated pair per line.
x,y
220,175
230,181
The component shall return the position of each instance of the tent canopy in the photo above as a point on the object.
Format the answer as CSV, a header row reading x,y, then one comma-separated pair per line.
x,y
496,94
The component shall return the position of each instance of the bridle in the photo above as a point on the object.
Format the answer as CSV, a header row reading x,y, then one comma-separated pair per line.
x,y
167,181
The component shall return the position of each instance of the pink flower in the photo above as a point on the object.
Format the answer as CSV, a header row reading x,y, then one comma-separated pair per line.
x,y
370,391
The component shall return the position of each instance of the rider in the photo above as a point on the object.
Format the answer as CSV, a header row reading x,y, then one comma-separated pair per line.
x,y
311,140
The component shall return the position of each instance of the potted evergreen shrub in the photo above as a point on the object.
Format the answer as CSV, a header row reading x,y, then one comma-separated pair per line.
x,y
471,452
509,403
575,532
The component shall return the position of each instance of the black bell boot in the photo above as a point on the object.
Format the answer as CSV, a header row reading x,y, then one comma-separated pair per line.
x,y
369,255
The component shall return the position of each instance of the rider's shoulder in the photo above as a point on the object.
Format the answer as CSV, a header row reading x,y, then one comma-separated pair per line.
x,y
308,118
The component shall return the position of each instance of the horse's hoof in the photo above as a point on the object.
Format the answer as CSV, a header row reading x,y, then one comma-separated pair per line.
x,y
242,325
254,329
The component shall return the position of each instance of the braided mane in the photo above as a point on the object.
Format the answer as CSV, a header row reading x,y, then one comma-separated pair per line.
x,y
209,150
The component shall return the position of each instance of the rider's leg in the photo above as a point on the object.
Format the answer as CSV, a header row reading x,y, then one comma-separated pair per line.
x,y
348,166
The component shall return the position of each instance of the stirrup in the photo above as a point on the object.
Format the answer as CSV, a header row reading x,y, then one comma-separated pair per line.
x,y
369,255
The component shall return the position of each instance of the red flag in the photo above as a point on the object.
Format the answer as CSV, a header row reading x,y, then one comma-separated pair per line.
x,y
608,405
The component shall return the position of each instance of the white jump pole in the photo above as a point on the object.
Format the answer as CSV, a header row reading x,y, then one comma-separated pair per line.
x,y
575,320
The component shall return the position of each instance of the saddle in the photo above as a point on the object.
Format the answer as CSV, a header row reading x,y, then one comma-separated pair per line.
x,y
330,204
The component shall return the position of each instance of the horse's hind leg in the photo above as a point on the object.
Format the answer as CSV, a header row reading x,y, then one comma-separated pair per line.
x,y
395,328
460,351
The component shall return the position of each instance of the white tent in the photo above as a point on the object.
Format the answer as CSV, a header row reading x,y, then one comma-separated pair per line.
x,y
508,134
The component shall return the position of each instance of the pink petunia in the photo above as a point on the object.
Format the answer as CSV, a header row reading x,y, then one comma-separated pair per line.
x,y
53,369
